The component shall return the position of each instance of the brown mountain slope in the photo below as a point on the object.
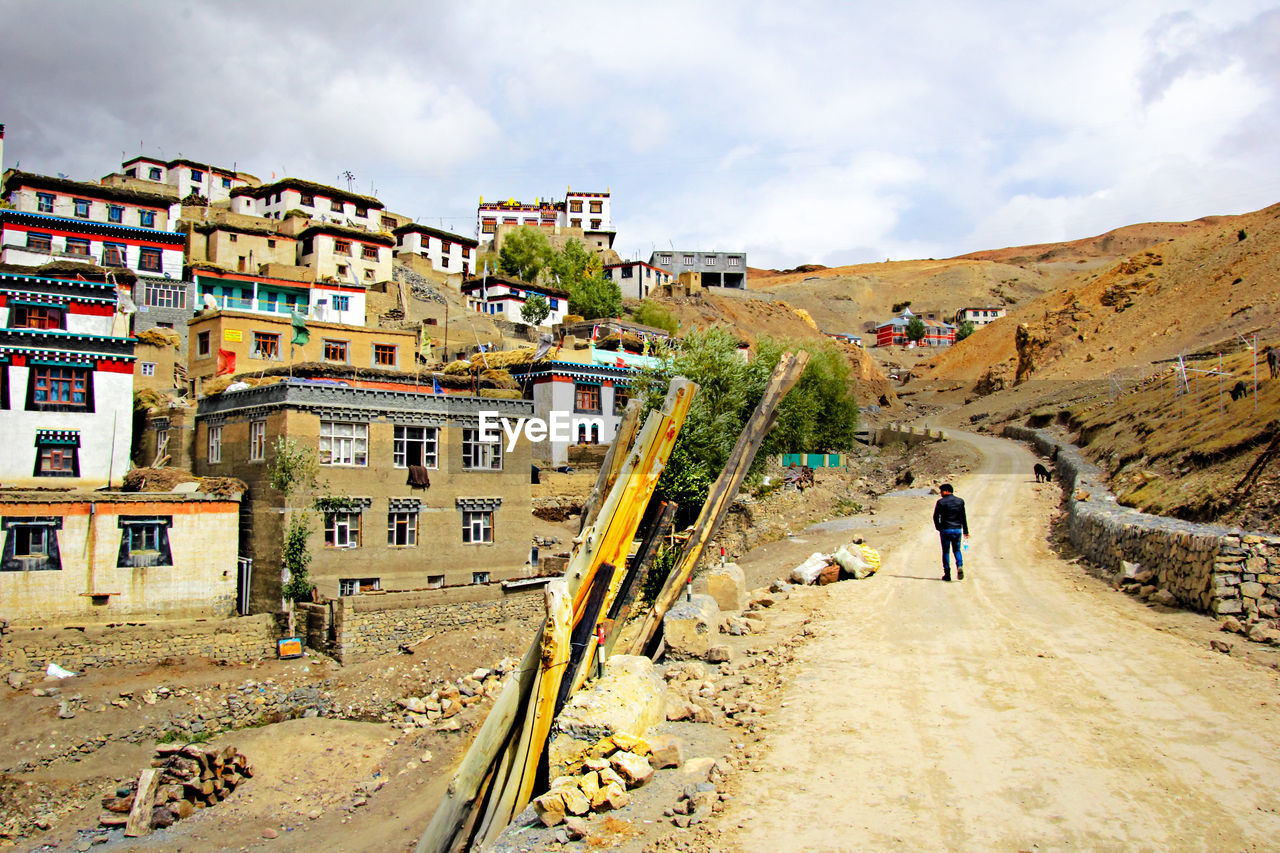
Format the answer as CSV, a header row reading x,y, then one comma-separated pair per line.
x,y
1196,291
1115,243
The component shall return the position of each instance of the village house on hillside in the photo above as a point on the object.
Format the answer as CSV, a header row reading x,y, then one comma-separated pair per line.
x,y
180,178
505,296
582,215
979,316
894,332
411,495
637,279
447,253
716,269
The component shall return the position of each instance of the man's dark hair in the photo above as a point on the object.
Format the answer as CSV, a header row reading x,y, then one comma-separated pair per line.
x,y
946,489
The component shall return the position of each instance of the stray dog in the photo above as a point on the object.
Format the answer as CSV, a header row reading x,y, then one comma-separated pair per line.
x,y
1042,473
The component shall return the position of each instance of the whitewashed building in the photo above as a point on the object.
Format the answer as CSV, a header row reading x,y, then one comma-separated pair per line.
x,y
500,296
636,279
66,386
326,204
447,253
587,211
188,177
979,316
346,254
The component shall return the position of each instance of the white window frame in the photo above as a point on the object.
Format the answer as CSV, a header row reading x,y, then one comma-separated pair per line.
x,y
214,455
430,446
344,444
148,368
405,521
339,528
480,455
257,440
477,524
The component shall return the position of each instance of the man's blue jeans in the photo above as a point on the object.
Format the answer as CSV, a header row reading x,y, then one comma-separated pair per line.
x,y
951,543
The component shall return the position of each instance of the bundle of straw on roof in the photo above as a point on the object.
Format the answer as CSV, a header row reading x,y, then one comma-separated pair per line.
x,y
159,337
495,378
500,393
503,359
457,367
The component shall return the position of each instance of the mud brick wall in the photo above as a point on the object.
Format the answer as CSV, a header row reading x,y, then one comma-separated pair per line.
x,y
370,625
242,639
1206,567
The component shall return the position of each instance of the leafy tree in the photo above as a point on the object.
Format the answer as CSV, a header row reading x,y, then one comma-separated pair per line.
x,y
535,309
899,307
965,330
650,313
595,296
916,329
525,253
572,264
295,469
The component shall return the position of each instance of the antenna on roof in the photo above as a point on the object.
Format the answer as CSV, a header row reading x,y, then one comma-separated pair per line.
x,y
350,176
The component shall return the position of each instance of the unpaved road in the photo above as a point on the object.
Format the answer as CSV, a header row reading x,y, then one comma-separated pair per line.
x,y
1020,709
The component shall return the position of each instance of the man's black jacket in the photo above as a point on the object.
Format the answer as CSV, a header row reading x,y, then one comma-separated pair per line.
x,y
948,514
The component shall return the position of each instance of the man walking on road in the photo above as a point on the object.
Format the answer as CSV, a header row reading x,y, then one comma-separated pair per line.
x,y
950,522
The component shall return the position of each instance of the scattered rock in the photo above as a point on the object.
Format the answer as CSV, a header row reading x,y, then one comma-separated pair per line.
x,y
634,769
270,833
668,751
718,654
550,808
1220,646
575,828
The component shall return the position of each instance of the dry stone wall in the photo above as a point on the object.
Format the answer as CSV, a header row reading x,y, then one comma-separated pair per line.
x,y
242,639
1204,567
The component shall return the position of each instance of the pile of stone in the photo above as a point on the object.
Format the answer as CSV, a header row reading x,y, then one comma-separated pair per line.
x,y
437,709
612,767
184,778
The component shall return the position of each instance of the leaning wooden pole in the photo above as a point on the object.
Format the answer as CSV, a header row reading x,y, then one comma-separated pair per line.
x,y
612,463
636,640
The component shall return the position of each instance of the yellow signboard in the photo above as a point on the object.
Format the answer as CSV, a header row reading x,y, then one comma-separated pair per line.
x,y
232,335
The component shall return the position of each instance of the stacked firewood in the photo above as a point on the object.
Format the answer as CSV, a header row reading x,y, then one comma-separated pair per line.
x,y
180,780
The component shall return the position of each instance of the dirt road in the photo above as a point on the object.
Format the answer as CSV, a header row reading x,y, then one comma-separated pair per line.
x,y
1023,708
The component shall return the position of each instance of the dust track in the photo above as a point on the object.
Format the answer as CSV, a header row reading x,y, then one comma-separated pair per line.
x,y
1013,710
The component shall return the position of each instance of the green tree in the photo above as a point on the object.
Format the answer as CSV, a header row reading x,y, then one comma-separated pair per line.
x,y
965,330
572,264
650,313
535,309
595,296
293,470
916,329
525,253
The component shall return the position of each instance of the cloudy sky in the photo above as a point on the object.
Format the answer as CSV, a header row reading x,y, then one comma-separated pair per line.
x,y
802,132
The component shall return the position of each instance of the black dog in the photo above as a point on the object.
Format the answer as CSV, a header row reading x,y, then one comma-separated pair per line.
x,y
1042,474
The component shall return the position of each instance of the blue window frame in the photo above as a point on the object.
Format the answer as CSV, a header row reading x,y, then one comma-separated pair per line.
x,y
147,218
115,213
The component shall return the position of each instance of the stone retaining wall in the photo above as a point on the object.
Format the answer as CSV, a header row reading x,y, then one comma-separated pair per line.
x,y
1204,567
365,626
242,639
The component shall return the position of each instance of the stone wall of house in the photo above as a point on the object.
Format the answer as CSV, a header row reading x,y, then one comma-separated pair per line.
x,y
243,639
1204,567
365,626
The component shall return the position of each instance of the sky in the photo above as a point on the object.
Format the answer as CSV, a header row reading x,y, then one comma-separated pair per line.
x,y
800,132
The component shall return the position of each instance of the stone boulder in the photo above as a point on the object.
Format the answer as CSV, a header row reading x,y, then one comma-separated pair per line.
x,y
690,625
726,584
628,700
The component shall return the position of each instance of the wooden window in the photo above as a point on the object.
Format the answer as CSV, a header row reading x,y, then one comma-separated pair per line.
x,y
620,398
355,586
81,206
37,317
38,242
336,206
266,345
402,529
57,461
362,212
477,526
31,540
575,206
307,200
335,350
384,355
66,386
147,218
586,398
342,247
202,344
479,577
149,260
161,294
369,253
114,254
44,202
115,213
597,207
77,246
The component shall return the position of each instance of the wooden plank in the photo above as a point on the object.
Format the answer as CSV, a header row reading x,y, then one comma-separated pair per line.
x,y
639,636
612,464
620,611
139,822
584,632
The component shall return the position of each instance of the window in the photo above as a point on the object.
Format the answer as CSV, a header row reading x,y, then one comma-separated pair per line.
x,y
233,238
355,586
595,225
31,544
445,247
115,213
342,269
197,175
81,207
266,345
555,304
215,445
341,303
148,368
687,260
735,262
61,388
388,223
113,254
709,260
466,251
77,246
369,253
342,247
480,455
307,200
477,526
384,355
162,294
202,343
149,260
38,242
368,275
575,223
414,445
36,317
155,174
44,202
342,530
620,397
57,458
597,207
344,443
586,398
257,440
575,206
402,529
479,577
144,541
335,206
435,581
664,259
489,226
362,212
627,272
335,351
271,244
